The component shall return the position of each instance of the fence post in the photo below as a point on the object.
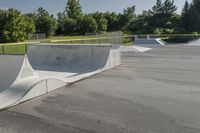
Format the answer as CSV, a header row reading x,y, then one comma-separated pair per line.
x,y
26,49
3,50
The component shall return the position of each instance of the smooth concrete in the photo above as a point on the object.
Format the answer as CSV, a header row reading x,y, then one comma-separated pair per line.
x,y
195,42
152,92
51,66
13,69
134,49
149,41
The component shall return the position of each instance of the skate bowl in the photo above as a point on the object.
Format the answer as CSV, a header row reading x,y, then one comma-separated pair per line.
x,y
149,41
48,67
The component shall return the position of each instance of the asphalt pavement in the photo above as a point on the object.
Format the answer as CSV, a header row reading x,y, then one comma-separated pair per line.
x,y
153,92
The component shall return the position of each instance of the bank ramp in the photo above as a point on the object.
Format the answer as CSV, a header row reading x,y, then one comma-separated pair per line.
x,y
47,67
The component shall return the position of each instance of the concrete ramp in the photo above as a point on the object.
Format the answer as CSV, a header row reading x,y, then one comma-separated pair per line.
x,y
70,59
14,70
149,41
51,67
195,42
135,49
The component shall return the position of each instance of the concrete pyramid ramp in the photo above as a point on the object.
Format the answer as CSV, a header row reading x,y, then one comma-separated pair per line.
x,y
149,41
51,67
195,42
135,49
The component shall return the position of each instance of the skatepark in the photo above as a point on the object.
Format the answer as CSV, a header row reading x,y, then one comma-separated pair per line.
x,y
146,88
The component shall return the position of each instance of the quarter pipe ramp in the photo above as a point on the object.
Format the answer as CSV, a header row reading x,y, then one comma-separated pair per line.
x,y
48,67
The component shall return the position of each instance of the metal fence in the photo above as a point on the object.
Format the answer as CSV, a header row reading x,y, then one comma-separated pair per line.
x,y
13,49
114,38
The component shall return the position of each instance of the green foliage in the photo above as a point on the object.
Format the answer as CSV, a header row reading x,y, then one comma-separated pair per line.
x,y
180,39
73,9
68,19
140,25
194,13
185,17
14,26
126,18
112,21
45,23
101,20
87,24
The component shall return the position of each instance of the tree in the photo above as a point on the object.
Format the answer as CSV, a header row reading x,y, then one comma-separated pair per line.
x,y
185,17
158,7
127,17
112,21
141,24
163,15
69,26
102,24
68,19
194,14
101,21
14,26
169,7
87,24
73,9
45,23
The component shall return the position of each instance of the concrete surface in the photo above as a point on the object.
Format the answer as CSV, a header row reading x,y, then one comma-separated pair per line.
x,y
149,41
135,49
195,42
153,92
52,66
13,69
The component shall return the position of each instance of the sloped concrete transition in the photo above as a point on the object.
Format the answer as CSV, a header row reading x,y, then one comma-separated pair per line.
x,y
47,67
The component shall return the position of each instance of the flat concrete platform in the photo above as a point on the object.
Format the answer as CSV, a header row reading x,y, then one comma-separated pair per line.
x,y
153,92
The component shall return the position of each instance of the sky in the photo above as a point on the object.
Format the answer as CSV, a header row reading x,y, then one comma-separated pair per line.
x,y
54,6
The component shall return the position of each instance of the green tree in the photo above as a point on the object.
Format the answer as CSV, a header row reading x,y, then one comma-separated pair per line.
x,y
169,7
73,9
163,15
126,18
195,16
68,19
112,21
14,26
87,24
141,24
158,7
185,17
101,21
45,23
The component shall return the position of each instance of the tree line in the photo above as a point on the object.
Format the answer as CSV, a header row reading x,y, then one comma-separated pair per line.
x,y
161,19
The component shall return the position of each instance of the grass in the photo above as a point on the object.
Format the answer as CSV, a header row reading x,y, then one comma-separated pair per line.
x,y
20,48
67,37
17,49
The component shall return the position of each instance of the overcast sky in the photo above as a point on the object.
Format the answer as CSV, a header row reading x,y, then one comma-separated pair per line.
x,y
54,6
